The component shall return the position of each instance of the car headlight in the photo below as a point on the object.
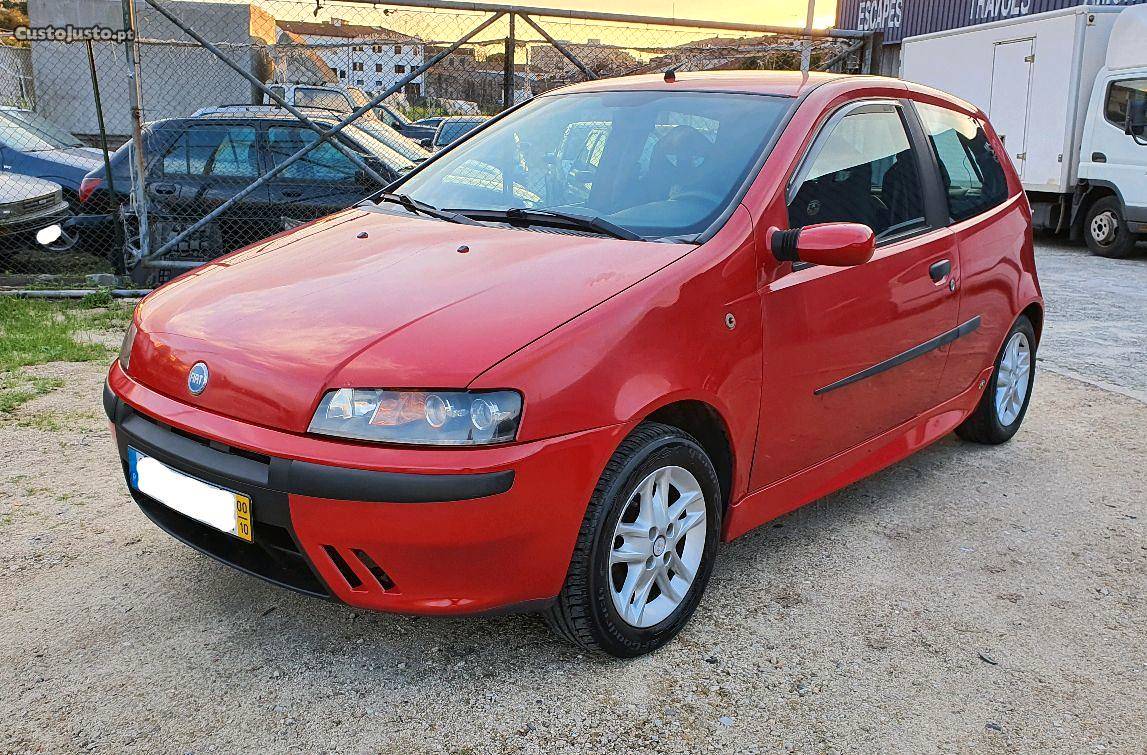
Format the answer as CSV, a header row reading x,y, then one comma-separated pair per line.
x,y
433,418
125,347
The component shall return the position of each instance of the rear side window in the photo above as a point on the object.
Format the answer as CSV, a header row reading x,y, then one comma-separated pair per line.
x,y
864,170
213,151
969,168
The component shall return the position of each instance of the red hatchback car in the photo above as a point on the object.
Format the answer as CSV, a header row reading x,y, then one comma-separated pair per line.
x,y
561,361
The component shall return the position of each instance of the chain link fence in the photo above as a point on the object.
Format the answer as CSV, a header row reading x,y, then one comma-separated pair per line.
x,y
223,123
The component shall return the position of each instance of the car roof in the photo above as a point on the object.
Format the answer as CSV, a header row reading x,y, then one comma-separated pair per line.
x,y
783,83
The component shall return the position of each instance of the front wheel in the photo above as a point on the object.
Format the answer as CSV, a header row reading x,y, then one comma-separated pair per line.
x,y
1005,401
1106,231
646,546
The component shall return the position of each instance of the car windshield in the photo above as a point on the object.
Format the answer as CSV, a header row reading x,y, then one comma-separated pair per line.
x,y
27,131
655,163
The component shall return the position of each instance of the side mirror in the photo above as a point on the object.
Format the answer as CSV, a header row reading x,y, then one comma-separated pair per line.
x,y
832,244
427,143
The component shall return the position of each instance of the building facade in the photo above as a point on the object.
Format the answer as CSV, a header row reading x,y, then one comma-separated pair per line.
x,y
371,58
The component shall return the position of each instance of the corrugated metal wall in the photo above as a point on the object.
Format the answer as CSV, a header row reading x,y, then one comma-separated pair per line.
x,y
907,18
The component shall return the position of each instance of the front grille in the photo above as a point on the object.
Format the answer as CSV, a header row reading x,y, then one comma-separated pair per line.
x,y
39,203
213,444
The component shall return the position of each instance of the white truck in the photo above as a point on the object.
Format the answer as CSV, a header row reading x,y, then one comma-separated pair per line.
x,y
1067,92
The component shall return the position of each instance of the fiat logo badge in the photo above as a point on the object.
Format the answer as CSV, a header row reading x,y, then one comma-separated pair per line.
x,y
197,378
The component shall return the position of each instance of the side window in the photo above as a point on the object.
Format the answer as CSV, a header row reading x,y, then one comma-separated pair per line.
x,y
969,168
213,150
863,171
1121,95
323,163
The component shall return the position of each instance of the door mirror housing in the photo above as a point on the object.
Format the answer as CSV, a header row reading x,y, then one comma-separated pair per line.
x,y
832,244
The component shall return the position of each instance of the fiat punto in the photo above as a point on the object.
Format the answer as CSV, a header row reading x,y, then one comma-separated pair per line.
x,y
554,367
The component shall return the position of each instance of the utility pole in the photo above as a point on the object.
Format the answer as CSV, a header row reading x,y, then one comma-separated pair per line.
x,y
806,47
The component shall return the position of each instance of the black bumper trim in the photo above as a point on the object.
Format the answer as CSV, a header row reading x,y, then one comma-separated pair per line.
x,y
321,481
305,478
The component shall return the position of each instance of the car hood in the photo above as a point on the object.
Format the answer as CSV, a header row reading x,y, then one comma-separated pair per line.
x,y
69,165
371,299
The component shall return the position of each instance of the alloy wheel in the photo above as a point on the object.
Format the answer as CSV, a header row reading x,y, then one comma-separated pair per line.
x,y
657,546
1013,379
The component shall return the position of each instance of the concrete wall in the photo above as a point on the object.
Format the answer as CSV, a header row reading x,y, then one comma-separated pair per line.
x,y
179,77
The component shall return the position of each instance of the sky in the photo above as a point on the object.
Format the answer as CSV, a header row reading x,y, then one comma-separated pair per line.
x,y
780,12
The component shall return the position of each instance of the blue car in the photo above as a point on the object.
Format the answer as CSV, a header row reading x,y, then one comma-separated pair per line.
x,y
31,145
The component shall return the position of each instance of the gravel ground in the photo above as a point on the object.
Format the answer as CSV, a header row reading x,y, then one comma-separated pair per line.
x,y
969,599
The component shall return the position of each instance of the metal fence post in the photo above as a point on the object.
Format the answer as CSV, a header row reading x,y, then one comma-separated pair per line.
x,y
135,93
806,45
117,258
508,68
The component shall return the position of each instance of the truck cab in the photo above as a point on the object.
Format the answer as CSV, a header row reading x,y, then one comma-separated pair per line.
x,y
1111,200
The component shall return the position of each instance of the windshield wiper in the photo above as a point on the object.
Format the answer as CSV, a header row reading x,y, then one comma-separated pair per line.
x,y
532,217
418,207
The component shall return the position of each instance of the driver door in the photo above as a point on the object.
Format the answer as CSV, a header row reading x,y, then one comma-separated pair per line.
x,y
851,352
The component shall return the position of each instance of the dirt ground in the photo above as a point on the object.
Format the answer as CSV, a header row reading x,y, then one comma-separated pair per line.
x,y
969,599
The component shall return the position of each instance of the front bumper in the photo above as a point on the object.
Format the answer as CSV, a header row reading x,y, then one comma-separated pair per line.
x,y
429,531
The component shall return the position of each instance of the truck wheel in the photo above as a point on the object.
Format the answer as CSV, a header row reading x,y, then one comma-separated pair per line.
x,y
646,546
1106,231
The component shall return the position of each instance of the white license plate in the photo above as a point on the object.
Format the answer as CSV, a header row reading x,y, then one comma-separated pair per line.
x,y
224,510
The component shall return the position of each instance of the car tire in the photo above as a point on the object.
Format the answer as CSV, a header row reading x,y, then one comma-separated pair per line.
x,y
1004,404
1105,229
655,462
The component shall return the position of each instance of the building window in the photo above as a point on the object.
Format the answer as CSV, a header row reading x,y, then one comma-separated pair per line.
x,y
358,82
342,73
399,68
378,67
378,83
398,49
356,66
376,49
357,48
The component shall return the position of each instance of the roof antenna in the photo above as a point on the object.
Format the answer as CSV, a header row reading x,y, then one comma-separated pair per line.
x,y
671,73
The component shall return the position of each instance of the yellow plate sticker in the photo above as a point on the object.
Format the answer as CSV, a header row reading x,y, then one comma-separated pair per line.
x,y
243,517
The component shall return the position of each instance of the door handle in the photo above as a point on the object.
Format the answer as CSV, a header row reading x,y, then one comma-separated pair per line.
x,y
940,270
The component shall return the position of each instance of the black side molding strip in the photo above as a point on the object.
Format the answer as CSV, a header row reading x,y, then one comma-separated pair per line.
x,y
916,351
322,481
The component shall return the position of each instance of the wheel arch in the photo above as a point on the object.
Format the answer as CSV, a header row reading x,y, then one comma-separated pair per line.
x,y
704,422
1085,197
1034,312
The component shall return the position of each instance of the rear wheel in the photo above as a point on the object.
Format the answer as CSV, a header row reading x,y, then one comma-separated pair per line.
x,y
646,546
1106,231
1005,401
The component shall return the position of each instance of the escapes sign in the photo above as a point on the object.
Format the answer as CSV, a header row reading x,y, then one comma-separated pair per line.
x,y
905,18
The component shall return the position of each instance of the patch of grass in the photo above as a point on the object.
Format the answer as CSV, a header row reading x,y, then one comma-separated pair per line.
x,y
35,331
100,298
18,388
